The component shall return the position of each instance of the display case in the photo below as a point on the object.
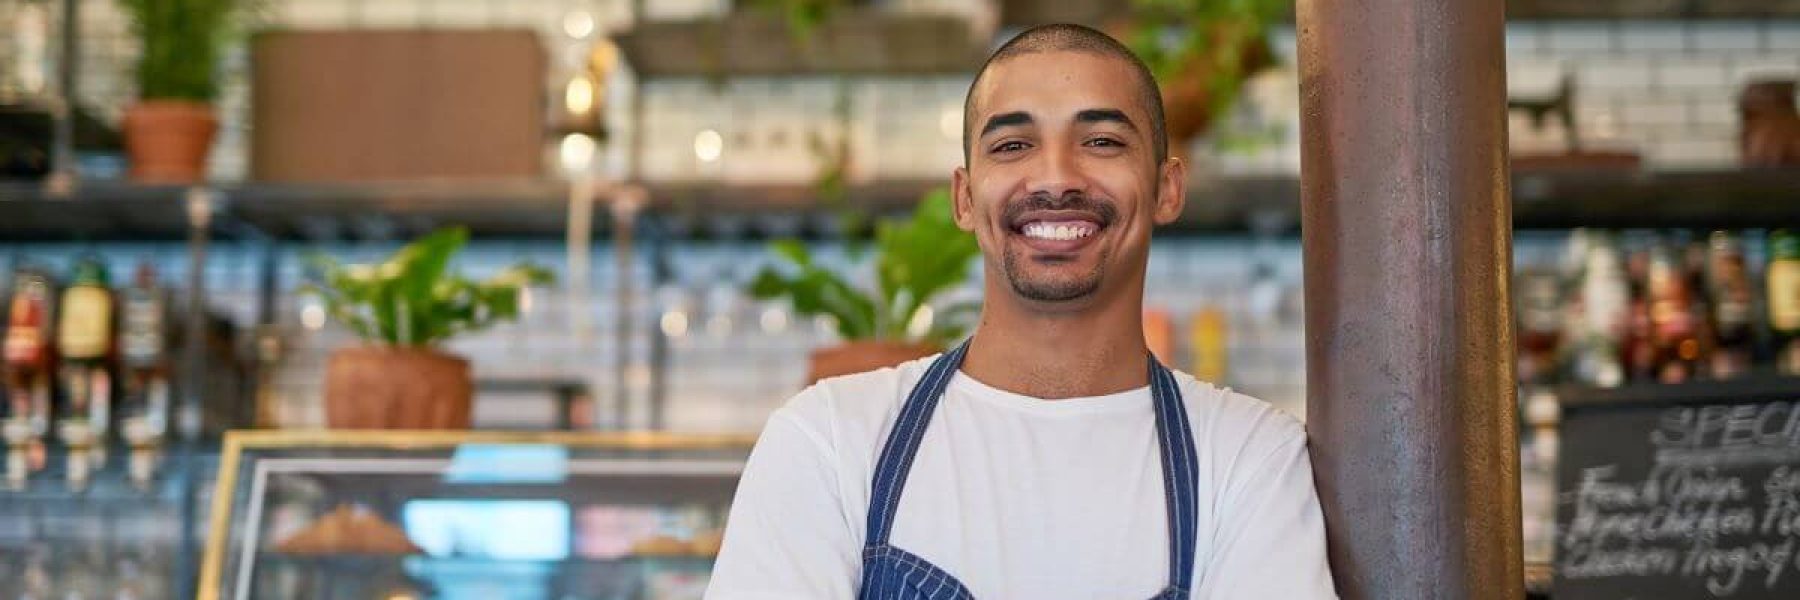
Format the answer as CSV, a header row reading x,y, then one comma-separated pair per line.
x,y
493,515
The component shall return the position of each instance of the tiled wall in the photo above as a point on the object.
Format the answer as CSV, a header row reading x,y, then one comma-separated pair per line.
x,y
1666,89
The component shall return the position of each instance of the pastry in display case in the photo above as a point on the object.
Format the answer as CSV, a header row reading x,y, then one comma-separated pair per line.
x,y
388,515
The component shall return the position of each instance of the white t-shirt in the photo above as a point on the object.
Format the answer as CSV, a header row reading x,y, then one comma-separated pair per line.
x,y
1022,498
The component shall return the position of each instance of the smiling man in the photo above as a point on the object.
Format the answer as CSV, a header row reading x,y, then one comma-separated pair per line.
x,y
1050,456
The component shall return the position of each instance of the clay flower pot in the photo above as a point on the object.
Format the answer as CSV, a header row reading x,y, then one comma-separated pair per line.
x,y
859,356
167,140
376,387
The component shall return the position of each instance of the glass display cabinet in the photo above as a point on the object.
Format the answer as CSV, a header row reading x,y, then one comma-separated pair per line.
x,y
392,515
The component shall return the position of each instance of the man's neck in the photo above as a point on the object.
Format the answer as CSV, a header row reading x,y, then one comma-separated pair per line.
x,y
1053,355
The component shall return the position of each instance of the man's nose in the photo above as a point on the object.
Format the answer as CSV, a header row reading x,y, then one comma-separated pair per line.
x,y
1057,173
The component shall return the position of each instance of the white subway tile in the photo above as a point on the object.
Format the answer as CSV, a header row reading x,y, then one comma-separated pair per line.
x,y
685,9
314,13
1714,112
1601,122
1613,75
389,14
1769,67
1655,112
1634,37
1725,36
1782,35
1533,77
1692,73
1579,37
1524,39
460,15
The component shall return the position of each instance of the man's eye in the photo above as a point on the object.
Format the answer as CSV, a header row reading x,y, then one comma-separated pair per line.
x,y
1106,143
1013,146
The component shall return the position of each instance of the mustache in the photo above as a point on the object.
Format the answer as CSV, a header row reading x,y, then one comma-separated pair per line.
x,y
1101,208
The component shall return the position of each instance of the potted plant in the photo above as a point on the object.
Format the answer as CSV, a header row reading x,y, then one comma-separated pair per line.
x,y
915,261
1201,52
169,130
403,310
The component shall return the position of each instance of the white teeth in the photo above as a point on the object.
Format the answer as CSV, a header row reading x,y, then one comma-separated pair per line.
x,y
1047,231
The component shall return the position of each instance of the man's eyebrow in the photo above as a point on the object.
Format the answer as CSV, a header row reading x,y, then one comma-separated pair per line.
x,y
1005,120
1103,115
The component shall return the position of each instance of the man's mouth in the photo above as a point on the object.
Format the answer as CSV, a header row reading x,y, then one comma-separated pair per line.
x,y
1058,231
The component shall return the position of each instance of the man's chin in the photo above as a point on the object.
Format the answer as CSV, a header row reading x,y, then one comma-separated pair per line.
x,y
1052,290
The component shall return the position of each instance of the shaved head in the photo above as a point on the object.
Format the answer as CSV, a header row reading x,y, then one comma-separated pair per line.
x,y
1065,37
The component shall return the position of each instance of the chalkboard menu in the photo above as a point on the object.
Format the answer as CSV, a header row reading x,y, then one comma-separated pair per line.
x,y
1689,491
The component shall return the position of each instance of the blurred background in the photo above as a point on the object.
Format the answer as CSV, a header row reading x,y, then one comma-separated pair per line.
x,y
647,153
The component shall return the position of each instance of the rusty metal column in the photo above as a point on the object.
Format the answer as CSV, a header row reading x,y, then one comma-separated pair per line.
x,y
1406,227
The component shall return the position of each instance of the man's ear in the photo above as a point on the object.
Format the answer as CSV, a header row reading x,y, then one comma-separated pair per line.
x,y
963,201
1171,191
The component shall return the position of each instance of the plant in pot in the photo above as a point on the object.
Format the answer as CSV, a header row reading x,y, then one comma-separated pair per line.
x,y
1201,52
915,261
403,310
169,130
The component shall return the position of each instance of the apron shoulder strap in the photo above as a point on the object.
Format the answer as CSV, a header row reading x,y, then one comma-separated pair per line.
x,y
1181,475
903,442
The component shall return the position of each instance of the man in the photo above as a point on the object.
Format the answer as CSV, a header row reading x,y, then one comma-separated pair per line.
x,y
1050,457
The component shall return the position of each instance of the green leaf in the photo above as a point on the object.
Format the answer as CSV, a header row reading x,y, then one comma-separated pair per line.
x,y
412,299
915,260
792,250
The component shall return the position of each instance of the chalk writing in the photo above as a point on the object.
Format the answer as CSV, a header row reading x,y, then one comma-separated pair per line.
x,y
1704,502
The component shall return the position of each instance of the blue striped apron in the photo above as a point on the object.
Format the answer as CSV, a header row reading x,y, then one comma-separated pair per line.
x,y
889,573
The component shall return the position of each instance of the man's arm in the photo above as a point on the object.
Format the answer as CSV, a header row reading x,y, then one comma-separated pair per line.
x,y
1270,541
788,536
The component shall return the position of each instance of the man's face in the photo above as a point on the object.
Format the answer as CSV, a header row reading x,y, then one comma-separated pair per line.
x,y
1062,186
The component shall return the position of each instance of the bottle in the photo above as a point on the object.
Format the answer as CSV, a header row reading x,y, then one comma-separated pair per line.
x,y
84,342
1638,343
1600,322
1732,315
1674,333
28,363
1784,298
143,363
1540,325
1207,336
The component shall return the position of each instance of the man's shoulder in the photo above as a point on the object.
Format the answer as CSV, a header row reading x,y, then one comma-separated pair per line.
x,y
1223,415
854,404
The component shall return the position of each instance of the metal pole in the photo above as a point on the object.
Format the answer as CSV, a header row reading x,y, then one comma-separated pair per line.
x,y
62,137
626,204
579,250
188,421
1406,229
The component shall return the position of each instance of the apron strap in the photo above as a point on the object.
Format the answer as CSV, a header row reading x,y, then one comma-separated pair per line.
x,y
1181,475
897,455
1180,467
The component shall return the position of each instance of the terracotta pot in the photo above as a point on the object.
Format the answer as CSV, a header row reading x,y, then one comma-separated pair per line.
x,y
370,387
856,357
168,140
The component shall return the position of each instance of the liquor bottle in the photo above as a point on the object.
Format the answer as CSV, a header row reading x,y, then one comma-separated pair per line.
x,y
143,361
1784,298
28,363
1540,326
1732,315
1638,344
84,340
1600,323
1674,332
1207,335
